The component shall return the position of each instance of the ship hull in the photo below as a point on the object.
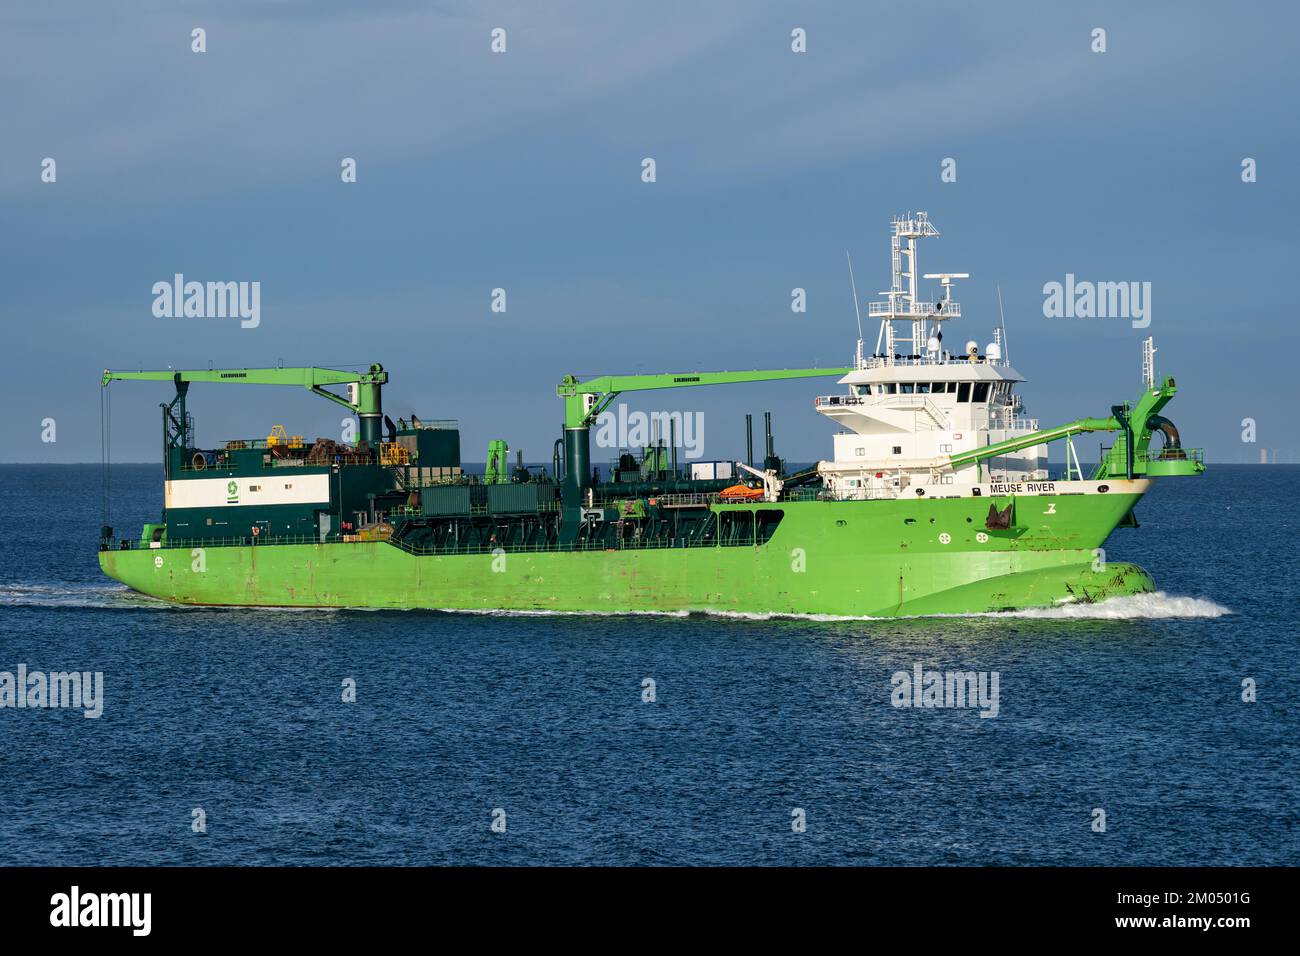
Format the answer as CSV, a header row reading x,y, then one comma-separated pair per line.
x,y
850,558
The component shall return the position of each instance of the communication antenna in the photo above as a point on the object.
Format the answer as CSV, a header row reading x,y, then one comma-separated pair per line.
x,y
854,286
856,310
1002,318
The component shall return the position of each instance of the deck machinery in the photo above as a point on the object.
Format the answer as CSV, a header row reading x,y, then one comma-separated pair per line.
x,y
404,482
937,499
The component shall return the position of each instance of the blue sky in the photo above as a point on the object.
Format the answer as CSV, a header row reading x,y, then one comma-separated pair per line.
x,y
522,171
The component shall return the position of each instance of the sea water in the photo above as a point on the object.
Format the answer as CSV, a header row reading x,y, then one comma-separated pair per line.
x,y
1157,729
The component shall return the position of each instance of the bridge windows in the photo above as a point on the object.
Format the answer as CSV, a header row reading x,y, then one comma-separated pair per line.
x,y
964,391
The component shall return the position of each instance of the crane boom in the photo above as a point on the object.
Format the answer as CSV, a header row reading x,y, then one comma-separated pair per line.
x,y
578,414
314,379
368,405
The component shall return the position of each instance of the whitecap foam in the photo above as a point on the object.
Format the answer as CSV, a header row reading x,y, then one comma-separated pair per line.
x,y
1154,606
72,595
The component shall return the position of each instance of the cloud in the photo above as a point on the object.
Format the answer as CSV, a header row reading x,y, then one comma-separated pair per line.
x,y
287,89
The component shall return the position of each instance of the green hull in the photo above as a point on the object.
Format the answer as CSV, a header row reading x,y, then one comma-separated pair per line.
x,y
850,558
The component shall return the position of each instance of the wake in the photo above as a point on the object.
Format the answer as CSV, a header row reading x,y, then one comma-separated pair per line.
x,y
1155,606
1131,607
69,595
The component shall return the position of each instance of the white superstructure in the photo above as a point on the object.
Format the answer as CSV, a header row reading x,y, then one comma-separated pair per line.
x,y
916,400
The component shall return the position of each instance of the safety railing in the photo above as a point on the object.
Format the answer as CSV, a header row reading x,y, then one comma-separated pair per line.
x,y
871,493
228,541
392,453
188,467
1014,423
430,424
914,310
1171,454
627,544
711,498
821,400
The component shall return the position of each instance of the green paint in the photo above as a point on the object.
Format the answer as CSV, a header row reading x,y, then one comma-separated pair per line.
x,y
579,413
873,558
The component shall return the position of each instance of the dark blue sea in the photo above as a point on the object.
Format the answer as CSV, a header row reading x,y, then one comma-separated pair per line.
x,y
1133,708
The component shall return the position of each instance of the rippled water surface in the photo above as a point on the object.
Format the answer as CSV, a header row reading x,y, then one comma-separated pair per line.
x,y
1133,707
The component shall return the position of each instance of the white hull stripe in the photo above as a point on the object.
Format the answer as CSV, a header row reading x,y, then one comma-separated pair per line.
x,y
274,488
1116,486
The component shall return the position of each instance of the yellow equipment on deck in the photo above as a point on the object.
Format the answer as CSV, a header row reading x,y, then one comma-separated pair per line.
x,y
279,436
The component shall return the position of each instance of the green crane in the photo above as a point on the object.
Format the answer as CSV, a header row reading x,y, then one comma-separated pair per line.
x,y
368,404
580,411
584,401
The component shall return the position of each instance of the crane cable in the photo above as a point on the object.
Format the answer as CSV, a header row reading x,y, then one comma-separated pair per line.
x,y
105,442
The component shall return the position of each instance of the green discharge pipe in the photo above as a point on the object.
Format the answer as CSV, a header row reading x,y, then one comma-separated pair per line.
x,y
1127,457
962,459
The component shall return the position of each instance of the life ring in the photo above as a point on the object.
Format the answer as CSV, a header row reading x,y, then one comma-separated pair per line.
x,y
256,530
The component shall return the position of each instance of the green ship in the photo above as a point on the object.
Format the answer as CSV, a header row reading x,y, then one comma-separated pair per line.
x,y
937,499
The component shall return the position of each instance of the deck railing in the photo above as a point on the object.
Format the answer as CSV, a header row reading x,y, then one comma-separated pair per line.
x,y
917,310
1171,454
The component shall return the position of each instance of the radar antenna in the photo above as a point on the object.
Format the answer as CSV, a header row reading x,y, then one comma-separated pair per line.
x,y
901,303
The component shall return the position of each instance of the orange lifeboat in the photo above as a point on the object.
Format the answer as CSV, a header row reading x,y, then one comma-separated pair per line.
x,y
740,493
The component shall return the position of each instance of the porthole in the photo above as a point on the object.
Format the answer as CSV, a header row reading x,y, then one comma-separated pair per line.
x,y
1102,489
